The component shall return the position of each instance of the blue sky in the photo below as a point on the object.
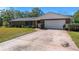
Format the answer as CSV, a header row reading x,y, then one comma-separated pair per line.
x,y
61,10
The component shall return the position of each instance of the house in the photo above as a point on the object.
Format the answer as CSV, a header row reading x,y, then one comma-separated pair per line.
x,y
49,20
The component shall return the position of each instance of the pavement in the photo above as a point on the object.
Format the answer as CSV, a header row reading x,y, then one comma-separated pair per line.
x,y
41,40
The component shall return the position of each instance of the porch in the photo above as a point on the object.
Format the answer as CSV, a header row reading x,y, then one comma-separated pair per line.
x,y
33,24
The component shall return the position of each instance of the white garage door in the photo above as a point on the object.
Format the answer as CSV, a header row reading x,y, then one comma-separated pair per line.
x,y
56,24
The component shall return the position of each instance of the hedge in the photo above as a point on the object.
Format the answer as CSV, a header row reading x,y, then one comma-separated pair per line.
x,y
72,26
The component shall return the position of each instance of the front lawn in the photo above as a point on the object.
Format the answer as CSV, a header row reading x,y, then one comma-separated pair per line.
x,y
75,37
9,33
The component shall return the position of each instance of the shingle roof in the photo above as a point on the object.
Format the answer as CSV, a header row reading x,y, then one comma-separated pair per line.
x,y
53,16
25,19
46,16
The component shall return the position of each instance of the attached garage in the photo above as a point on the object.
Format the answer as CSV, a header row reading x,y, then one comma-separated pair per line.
x,y
54,20
54,24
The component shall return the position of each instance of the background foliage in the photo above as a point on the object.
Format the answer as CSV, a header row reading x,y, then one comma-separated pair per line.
x,y
76,17
7,15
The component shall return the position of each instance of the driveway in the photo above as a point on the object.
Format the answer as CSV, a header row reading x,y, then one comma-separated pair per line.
x,y
42,40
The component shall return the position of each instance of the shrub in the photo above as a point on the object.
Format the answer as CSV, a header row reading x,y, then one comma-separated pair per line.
x,y
66,26
72,26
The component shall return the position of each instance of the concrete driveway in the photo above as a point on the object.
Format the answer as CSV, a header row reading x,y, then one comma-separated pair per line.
x,y
42,40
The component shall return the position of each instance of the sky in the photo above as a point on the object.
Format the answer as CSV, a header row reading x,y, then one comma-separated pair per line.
x,y
60,10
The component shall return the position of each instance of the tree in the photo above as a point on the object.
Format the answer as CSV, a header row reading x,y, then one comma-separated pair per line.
x,y
76,17
36,12
27,14
20,14
6,15
10,13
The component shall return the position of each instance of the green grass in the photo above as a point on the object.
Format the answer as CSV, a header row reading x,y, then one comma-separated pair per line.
x,y
75,37
9,33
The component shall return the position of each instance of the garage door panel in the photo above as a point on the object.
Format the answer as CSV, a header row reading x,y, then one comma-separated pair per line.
x,y
58,24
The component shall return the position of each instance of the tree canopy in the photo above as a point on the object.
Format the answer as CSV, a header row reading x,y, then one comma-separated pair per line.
x,y
11,13
76,17
36,12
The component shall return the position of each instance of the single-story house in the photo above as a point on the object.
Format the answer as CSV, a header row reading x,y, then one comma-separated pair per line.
x,y
49,20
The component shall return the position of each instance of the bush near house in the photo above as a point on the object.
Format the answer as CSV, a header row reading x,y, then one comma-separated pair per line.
x,y
72,26
9,33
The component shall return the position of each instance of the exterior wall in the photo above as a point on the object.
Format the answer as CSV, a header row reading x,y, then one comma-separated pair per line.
x,y
68,21
56,24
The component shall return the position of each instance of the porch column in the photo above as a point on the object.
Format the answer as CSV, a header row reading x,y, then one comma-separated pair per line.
x,y
33,23
36,24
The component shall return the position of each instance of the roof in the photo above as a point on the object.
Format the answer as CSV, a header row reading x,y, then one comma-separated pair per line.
x,y
24,19
53,16
46,16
